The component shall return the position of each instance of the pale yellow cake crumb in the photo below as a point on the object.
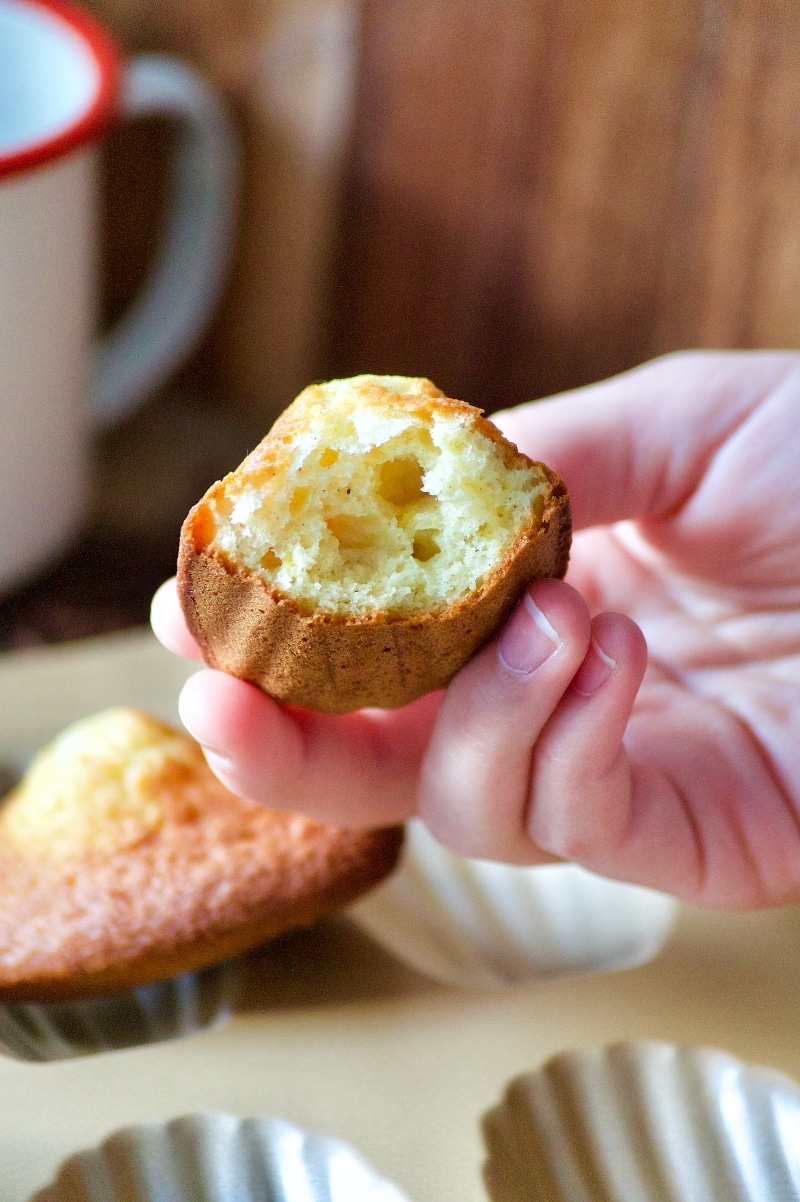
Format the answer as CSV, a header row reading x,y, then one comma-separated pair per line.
x,y
377,507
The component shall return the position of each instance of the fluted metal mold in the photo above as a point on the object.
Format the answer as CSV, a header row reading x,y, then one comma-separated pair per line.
x,y
645,1122
475,924
213,1157
165,1010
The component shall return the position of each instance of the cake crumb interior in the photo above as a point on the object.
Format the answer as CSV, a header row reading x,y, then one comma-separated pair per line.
x,y
377,506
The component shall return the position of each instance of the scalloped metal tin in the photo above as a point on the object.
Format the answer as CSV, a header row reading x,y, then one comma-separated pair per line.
x,y
165,1010
475,924
645,1122
218,1158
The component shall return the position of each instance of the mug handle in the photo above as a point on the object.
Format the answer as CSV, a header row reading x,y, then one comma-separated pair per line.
x,y
164,321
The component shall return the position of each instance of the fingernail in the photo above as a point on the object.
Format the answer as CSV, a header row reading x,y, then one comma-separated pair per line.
x,y
594,671
219,764
193,719
528,639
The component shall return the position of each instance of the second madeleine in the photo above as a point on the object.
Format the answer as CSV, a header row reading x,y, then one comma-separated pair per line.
x,y
366,549
125,862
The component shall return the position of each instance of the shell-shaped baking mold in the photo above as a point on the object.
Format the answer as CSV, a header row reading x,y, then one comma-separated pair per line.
x,y
478,924
645,1122
165,1010
218,1158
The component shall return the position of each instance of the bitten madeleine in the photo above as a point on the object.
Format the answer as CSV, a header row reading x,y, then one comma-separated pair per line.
x,y
124,861
370,544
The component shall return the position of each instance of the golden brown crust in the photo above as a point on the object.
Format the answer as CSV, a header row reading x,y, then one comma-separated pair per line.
x,y
220,875
336,663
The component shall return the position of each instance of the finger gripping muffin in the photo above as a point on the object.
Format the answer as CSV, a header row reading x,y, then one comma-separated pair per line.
x,y
370,544
124,861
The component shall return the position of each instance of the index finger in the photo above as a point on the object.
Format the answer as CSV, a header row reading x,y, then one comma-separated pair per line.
x,y
637,446
169,624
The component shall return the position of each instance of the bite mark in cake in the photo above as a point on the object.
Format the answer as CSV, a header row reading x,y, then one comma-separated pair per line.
x,y
369,545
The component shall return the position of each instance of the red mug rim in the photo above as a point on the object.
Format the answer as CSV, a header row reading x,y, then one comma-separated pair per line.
x,y
97,114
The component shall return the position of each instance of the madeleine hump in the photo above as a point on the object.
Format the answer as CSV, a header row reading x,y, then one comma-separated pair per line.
x,y
124,862
372,542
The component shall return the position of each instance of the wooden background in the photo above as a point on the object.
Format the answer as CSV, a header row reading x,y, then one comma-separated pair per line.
x,y
509,196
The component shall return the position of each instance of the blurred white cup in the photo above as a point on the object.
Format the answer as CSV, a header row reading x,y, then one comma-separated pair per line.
x,y
62,85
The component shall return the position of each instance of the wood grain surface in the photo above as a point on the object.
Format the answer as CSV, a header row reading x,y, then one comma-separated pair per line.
x,y
286,69
538,193
544,192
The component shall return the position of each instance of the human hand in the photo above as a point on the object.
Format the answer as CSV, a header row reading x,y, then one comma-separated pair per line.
x,y
683,481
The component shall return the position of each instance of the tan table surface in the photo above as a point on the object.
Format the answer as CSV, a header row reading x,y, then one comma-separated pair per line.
x,y
337,1038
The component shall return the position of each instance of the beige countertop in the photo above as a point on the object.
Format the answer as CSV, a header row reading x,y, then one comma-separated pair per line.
x,y
338,1038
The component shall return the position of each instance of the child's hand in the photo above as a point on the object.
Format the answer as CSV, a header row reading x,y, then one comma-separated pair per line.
x,y
683,477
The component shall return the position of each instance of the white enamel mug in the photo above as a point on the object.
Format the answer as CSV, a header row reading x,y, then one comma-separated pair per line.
x,y
62,85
